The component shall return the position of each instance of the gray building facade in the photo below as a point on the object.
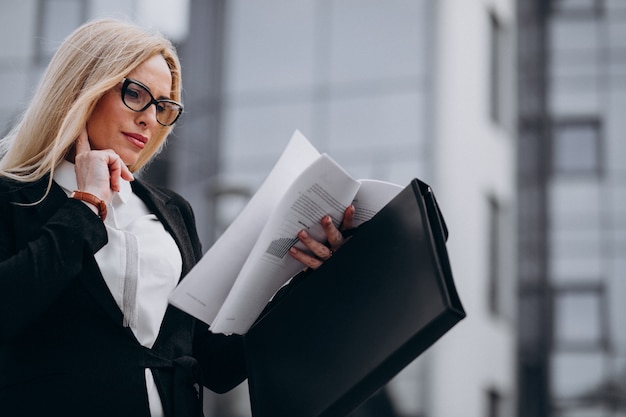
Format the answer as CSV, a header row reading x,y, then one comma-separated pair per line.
x,y
391,90
572,194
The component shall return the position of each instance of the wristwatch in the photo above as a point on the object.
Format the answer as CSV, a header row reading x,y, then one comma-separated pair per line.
x,y
92,199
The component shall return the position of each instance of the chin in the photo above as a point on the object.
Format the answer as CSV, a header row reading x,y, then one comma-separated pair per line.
x,y
130,159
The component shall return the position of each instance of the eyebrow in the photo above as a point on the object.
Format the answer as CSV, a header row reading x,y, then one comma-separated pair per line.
x,y
157,98
150,90
160,97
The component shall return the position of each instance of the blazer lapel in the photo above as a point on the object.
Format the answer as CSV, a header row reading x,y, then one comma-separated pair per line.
x,y
174,222
171,217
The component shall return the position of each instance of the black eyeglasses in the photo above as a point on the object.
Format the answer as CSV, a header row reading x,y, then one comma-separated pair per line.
x,y
137,97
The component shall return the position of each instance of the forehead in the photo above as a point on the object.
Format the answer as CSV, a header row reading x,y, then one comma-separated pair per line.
x,y
155,74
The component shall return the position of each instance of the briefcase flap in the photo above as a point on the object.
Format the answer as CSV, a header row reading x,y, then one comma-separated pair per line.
x,y
346,329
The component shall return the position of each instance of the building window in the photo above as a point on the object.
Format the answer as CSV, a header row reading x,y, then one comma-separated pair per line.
x,y
576,380
576,147
495,69
580,319
57,19
494,277
494,403
582,8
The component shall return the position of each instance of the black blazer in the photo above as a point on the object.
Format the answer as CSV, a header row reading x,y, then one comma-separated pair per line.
x,y
63,349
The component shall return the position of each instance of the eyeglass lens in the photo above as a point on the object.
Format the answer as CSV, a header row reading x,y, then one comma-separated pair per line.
x,y
136,97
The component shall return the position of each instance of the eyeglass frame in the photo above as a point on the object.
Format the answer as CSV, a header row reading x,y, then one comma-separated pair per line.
x,y
127,81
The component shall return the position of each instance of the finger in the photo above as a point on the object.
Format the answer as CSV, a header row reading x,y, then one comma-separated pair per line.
x,y
121,170
82,142
305,259
114,176
117,170
348,218
318,249
116,166
333,235
127,174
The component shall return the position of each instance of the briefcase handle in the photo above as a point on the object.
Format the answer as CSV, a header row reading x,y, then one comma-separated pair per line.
x,y
435,217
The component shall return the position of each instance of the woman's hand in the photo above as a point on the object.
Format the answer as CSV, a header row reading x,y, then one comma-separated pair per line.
x,y
98,172
319,251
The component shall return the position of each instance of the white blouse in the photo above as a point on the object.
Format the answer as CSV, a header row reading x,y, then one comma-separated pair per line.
x,y
140,284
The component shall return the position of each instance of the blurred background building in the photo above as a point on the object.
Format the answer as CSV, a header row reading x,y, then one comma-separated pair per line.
x,y
572,205
510,110
392,90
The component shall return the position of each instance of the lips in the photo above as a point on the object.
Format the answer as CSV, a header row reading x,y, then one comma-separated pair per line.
x,y
136,139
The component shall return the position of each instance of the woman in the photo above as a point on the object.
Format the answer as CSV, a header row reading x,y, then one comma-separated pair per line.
x,y
89,255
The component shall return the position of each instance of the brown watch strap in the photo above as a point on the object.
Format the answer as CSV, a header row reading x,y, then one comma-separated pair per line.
x,y
92,199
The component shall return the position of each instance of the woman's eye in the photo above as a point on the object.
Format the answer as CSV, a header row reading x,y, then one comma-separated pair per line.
x,y
134,94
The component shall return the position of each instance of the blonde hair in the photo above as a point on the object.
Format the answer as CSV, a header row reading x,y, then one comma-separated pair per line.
x,y
90,62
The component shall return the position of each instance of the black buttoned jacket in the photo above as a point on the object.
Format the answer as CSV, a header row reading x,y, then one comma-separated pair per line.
x,y
63,348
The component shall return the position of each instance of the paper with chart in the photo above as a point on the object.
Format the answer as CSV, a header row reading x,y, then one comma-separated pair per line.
x,y
324,188
240,273
207,285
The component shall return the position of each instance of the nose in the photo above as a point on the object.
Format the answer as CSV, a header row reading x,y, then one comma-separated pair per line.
x,y
148,116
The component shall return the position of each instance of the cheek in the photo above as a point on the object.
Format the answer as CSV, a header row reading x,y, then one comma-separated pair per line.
x,y
100,125
96,130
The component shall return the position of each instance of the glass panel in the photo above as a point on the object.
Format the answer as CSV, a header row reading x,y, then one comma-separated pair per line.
x,y
17,29
584,411
570,270
575,236
495,77
576,374
616,305
574,66
616,31
613,143
381,123
575,203
573,98
270,47
576,148
383,131
567,6
577,319
369,42
244,128
113,8
572,245
171,18
614,6
574,35
494,254
60,18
